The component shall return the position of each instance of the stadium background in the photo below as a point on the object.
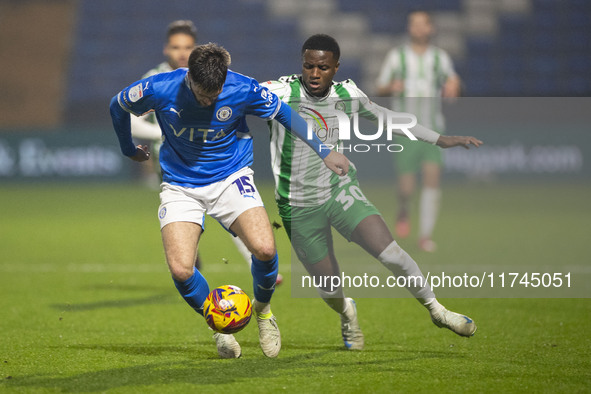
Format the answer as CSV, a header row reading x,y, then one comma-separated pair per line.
x,y
86,304
63,60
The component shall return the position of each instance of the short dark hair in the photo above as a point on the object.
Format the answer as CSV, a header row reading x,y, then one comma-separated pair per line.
x,y
181,27
208,66
322,42
420,11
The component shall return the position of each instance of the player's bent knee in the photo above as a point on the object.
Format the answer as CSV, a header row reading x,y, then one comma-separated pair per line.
x,y
181,273
265,252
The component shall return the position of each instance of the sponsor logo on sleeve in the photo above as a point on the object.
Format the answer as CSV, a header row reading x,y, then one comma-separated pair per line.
x,y
267,96
135,93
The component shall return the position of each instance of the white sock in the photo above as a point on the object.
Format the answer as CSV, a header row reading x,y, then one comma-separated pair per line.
x,y
243,250
262,308
432,305
428,210
401,264
334,299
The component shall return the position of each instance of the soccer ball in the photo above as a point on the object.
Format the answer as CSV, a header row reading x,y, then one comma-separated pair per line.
x,y
227,309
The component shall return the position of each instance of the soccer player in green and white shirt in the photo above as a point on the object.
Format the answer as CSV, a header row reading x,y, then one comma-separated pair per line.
x,y
417,75
311,199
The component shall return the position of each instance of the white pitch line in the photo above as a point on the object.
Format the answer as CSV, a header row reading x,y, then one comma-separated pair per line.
x,y
240,266
111,268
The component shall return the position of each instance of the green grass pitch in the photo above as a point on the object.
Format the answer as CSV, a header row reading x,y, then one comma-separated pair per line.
x,y
87,304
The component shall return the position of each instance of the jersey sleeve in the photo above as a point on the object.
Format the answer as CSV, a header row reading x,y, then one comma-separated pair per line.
x,y
447,66
364,106
262,102
390,68
138,98
280,88
373,112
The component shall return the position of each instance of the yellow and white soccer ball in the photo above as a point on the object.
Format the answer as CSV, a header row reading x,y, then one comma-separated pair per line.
x,y
227,309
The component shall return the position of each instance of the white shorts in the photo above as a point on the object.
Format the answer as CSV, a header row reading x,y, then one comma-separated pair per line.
x,y
224,200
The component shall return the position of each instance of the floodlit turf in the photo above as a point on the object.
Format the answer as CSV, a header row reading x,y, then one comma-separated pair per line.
x,y
87,304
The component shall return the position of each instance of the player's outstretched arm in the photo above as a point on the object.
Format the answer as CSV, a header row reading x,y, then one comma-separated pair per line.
x,y
421,132
449,141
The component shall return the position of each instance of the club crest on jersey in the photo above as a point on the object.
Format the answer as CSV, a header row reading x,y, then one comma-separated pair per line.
x,y
301,252
224,113
340,106
135,93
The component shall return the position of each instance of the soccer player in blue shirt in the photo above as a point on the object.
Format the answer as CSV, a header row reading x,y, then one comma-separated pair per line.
x,y
205,162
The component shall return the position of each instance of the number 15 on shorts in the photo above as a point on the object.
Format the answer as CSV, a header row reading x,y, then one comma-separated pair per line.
x,y
244,185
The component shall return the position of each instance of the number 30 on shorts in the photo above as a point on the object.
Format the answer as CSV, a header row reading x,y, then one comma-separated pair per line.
x,y
347,200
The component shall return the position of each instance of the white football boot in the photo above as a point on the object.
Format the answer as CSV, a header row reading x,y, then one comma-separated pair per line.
x,y
269,335
228,346
352,335
460,324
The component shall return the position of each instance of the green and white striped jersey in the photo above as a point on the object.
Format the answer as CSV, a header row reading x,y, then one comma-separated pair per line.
x,y
423,76
301,178
163,67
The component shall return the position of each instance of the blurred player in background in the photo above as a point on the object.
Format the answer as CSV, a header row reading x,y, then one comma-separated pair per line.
x,y
181,38
205,169
417,75
312,199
